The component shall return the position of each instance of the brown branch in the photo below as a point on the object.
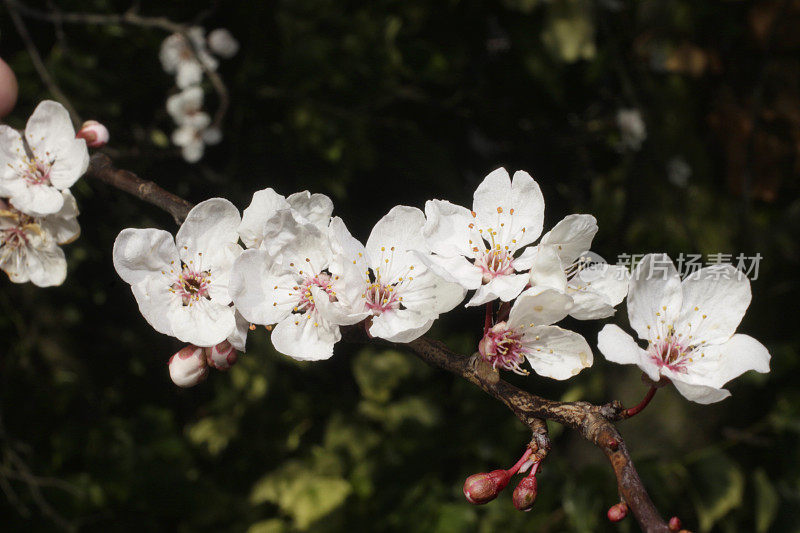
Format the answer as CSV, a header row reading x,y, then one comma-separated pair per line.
x,y
101,168
593,422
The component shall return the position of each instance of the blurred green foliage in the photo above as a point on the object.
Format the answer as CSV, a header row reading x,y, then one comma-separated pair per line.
x,y
383,103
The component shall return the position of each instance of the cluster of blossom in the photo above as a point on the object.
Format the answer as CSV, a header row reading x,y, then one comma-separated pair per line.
x,y
38,213
303,275
188,56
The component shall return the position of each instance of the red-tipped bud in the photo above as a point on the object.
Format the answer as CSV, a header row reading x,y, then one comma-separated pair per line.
x,y
188,367
94,133
525,493
675,524
222,356
484,487
618,512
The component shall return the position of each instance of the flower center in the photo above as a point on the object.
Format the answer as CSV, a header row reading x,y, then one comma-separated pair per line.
x,y
494,263
381,298
503,348
191,285
306,303
14,238
671,353
36,173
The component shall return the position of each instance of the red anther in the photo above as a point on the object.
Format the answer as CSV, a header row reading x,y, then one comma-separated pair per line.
x,y
525,493
484,487
618,512
675,524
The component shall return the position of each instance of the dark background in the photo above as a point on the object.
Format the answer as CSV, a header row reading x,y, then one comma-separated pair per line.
x,y
395,102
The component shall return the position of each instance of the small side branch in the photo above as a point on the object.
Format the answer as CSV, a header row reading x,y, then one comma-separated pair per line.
x,y
101,168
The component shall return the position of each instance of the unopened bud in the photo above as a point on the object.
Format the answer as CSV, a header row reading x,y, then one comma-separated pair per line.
x,y
618,512
525,493
188,367
222,43
675,524
484,487
95,134
222,356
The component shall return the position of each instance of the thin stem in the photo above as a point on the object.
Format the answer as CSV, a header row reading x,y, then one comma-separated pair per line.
x,y
487,323
639,408
514,469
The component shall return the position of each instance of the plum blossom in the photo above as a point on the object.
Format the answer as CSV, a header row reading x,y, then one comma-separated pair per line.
x,y
562,261
476,248
37,167
388,281
29,245
181,285
194,130
528,335
222,43
186,58
261,228
690,328
290,284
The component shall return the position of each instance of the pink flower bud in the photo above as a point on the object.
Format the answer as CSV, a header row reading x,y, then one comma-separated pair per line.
x,y
484,487
618,512
525,493
222,356
675,524
95,134
9,89
188,367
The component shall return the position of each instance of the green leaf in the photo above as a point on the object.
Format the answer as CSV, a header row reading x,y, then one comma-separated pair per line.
x,y
718,487
766,501
301,493
273,525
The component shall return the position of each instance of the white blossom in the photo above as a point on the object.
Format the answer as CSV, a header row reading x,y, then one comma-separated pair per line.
x,y
528,336
222,43
36,168
29,245
562,261
476,248
181,285
193,132
632,128
185,58
690,328
388,280
261,228
290,284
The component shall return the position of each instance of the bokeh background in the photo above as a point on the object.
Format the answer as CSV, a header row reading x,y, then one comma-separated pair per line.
x,y
394,102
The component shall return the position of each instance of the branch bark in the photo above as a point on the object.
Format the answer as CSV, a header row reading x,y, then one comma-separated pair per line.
x,y
595,423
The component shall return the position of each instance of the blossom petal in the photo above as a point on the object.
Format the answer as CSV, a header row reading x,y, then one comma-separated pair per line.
x,y
63,226
264,205
540,306
142,253
315,208
38,200
202,323
455,269
430,294
513,208
718,364
12,152
619,347
305,339
348,266
547,269
238,338
262,292
572,236
447,229
506,288
556,353
396,233
715,299
208,227
400,326
654,296
155,302
597,289
44,266
700,393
